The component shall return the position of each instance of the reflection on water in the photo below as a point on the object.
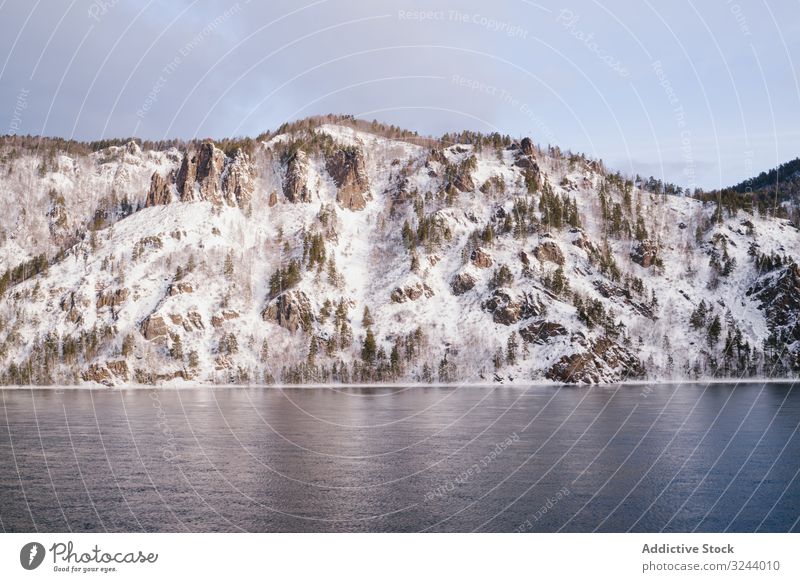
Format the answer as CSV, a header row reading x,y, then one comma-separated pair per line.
x,y
616,458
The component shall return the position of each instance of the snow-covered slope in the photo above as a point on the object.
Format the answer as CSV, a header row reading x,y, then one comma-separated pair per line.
x,y
485,261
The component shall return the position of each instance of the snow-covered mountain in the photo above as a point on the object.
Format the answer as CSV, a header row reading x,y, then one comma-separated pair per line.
x,y
341,251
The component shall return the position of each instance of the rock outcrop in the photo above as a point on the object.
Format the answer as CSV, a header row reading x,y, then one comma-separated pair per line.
x,y
179,288
119,368
159,193
584,242
98,374
526,146
199,177
107,373
508,306
218,321
462,283
462,180
111,298
525,156
436,155
237,180
196,320
153,327
291,310
185,179
411,292
210,164
208,174
481,258
295,187
601,361
549,251
348,170
73,306
645,253
540,332
624,296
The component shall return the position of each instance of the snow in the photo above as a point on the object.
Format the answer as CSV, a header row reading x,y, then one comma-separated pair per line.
x,y
369,255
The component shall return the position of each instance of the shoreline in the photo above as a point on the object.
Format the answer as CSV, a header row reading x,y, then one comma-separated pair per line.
x,y
404,385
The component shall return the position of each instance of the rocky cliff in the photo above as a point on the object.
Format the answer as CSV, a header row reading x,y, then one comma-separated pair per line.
x,y
335,252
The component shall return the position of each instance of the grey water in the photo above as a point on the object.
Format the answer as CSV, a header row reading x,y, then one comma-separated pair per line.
x,y
676,458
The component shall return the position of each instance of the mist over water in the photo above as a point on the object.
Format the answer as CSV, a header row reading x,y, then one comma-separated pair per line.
x,y
614,458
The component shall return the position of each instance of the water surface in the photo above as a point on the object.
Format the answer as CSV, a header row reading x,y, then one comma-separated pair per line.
x,y
718,457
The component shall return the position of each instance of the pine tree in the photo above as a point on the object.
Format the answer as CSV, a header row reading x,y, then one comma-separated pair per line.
x,y
427,376
313,349
333,275
698,317
233,344
573,219
314,247
341,312
369,348
345,336
714,331
488,234
325,311
409,237
176,350
558,283
414,263
366,319
264,351
446,370
127,345
501,277
394,360
222,345
511,348
497,359
331,345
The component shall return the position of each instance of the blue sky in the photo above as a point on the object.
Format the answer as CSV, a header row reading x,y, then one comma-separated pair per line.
x,y
698,93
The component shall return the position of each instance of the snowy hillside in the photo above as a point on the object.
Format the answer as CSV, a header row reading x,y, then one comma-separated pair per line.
x,y
341,252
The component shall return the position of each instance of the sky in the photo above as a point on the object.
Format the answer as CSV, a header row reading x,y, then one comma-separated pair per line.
x,y
699,93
